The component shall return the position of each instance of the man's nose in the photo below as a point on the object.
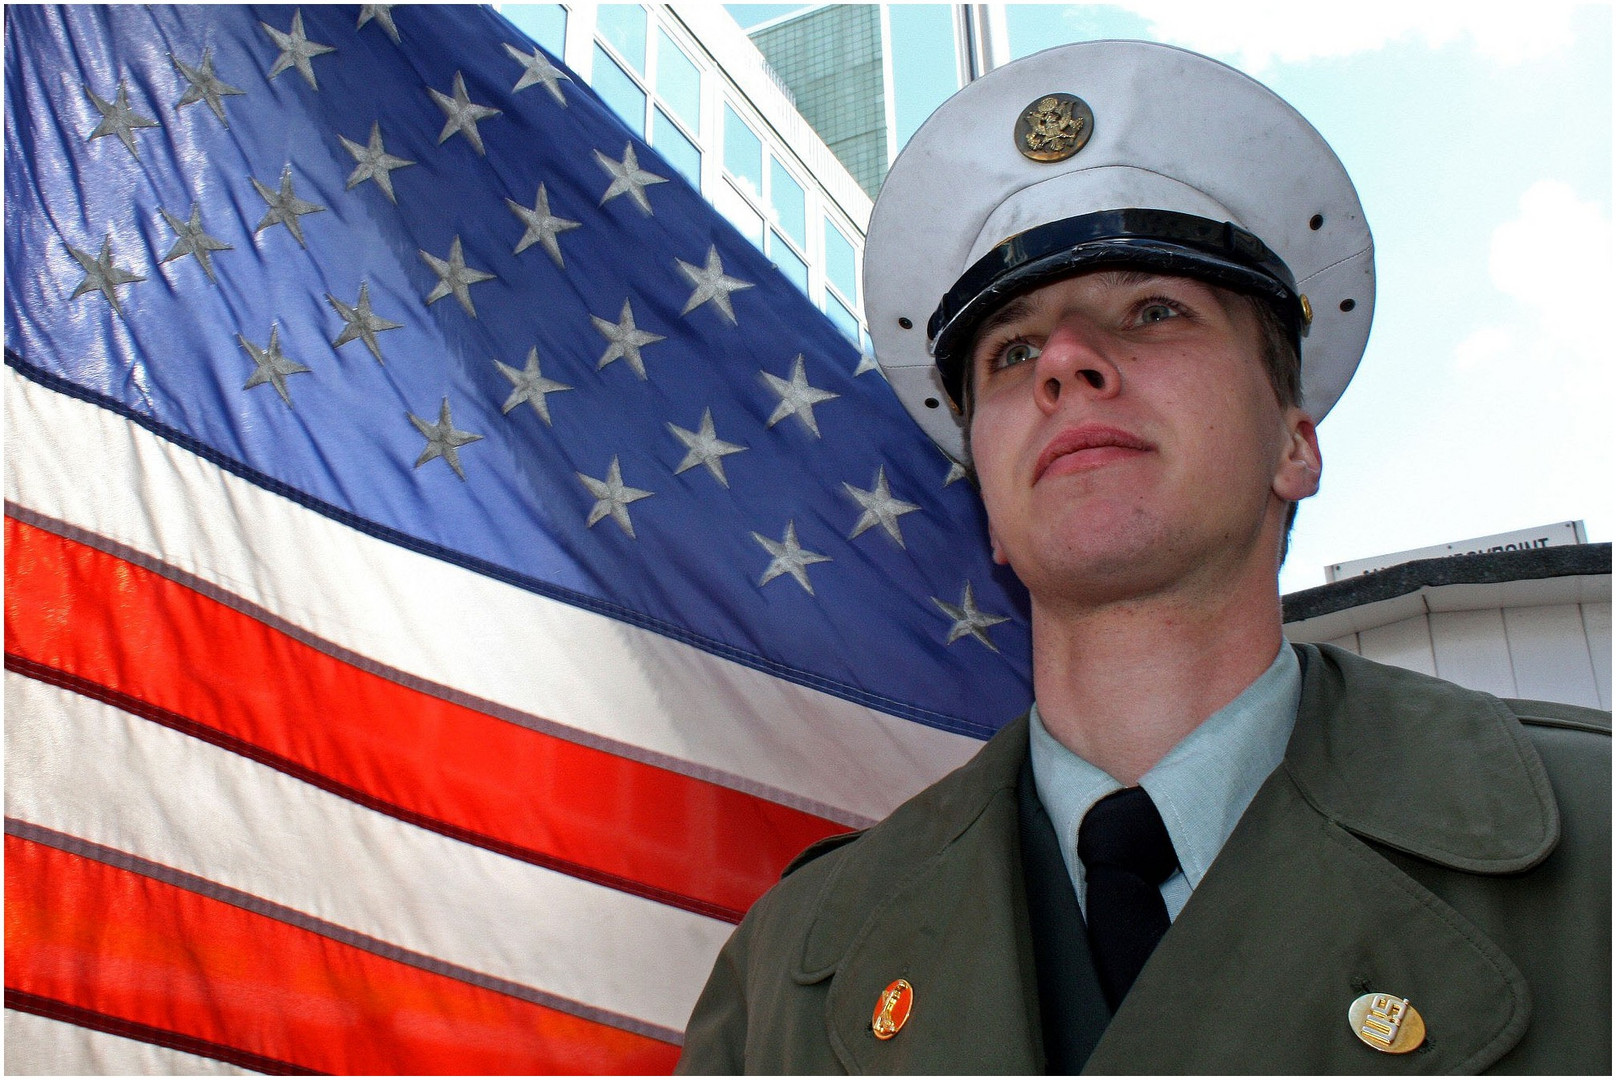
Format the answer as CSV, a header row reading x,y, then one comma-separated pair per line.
x,y
1075,358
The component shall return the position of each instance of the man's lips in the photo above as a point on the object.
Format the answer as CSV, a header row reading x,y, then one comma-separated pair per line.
x,y
1088,443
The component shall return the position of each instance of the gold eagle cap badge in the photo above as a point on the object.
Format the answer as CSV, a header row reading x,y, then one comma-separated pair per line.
x,y
1054,127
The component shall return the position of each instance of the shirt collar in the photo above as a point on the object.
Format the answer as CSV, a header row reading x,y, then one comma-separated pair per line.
x,y
1203,784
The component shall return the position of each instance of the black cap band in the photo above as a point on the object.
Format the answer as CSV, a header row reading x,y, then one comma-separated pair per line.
x,y
1219,252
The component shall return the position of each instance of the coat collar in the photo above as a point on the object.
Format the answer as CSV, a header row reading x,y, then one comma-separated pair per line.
x,y
1384,751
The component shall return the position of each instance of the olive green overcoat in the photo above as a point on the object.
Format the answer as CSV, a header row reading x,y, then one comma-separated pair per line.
x,y
1419,839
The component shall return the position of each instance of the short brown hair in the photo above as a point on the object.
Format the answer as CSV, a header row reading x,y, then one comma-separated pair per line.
x,y
1279,355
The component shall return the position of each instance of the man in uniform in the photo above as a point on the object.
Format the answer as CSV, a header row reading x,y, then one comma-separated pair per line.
x,y
1123,282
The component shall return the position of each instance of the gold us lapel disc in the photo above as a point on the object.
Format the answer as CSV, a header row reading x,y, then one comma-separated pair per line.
x,y
1387,1023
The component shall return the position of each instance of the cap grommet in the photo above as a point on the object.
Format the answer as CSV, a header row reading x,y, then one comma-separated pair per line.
x,y
932,403
906,323
1348,304
1307,311
1316,222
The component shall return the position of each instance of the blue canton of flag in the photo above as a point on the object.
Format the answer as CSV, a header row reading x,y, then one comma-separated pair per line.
x,y
431,287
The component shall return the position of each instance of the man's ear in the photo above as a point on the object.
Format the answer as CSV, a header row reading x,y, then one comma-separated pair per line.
x,y
1300,464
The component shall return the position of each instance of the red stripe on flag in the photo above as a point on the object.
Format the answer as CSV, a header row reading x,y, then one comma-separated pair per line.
x,y
99,625
118,944
128,1029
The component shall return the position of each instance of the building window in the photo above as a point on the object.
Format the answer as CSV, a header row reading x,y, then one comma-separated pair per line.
x,y
623,28
845,320
743,155
546,24
734,206
841,268
790,263
619,90
788,202
677,148
678,82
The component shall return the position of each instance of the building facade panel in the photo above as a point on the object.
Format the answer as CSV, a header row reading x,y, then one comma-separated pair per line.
x,y
1472,650
1405,643
1596,624
1548,651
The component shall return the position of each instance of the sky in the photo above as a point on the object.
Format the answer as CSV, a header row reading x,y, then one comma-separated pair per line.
x,y
1479,139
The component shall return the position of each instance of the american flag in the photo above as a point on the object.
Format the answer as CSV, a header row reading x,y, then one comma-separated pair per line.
x,y
449,570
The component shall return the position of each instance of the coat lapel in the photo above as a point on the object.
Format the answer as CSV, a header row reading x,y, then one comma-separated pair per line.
x,y
1302,912
938,901
1294,921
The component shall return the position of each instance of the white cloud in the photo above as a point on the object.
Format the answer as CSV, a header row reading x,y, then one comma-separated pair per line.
x,y
1555,258
1554,264
1254,34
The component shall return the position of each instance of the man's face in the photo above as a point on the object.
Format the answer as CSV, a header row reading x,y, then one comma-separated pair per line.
x,y
1127,438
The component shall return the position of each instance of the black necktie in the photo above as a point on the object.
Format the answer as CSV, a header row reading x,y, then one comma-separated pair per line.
x,y
1126,855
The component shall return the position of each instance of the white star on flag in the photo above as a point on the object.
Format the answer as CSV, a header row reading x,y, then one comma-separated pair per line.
x,y
613,497
628,178
205,86
538,69
374,162
383,14
442,440
542,226
454,277
362,323
530,385
461,114
968,619
117,118
789,557
270,365
880,508
712,285
100,275
704,447
296,49
285,208
624,339
797,398
193,240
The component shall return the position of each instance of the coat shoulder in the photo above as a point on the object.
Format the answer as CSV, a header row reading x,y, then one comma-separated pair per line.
x,y
764,1006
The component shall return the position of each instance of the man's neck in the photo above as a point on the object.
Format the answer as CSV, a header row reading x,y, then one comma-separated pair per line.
x,y
1122,684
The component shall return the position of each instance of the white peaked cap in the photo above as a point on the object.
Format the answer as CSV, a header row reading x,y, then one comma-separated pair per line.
x,y
965,215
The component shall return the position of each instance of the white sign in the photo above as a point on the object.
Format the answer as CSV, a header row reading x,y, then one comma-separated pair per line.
x,y
1556,535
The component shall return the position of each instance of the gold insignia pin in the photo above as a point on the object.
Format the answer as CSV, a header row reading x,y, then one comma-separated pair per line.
x,y
1387,1023
892,1009
1054,127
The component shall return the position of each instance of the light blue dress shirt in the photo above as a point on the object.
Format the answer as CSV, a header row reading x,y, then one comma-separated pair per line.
x,y
1201,787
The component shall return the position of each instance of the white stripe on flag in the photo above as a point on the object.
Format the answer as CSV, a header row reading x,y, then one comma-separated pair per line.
x,y
602,681
39,1046
80,767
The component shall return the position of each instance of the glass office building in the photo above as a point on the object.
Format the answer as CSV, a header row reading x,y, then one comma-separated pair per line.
x,y
834,60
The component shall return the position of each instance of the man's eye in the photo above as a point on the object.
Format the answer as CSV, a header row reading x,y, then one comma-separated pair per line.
x,y
1157,311
1017,353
